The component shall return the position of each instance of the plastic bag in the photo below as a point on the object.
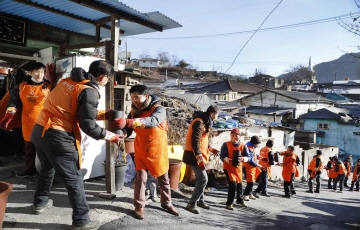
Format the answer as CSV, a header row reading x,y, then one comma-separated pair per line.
x,y
130,170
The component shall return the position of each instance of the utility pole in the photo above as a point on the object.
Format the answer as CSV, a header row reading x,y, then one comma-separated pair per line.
x,y
335,75
126,57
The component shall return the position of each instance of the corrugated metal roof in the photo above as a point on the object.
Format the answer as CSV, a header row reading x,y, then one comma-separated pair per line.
x,y
200,100
56,20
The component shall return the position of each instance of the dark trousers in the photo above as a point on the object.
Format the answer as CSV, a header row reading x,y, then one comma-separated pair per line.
x,y
234,187
317,179
340,179
248,188
331,180
264,182
30,155
356,183
57,153
289,186
19,140
345,181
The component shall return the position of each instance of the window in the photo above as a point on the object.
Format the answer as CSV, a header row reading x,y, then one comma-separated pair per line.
x,y
323,126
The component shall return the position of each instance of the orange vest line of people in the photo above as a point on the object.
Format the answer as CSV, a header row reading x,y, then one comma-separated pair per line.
x,y
47,122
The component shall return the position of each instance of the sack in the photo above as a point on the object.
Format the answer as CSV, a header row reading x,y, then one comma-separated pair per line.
x,y
189,158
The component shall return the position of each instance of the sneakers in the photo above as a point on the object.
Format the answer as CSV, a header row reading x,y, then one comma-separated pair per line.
x,y
242,204
246,198
332,190
252,197
89,226
40,209
293,193
310,191
230,207
351,190
139,213
286,196
339,191
316,191
192,208
202,204
171,209
265,194
26,173
255,194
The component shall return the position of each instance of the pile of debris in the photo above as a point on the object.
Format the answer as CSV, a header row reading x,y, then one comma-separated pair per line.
x,y
179,117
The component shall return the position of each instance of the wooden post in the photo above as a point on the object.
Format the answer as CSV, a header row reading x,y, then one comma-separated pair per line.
x,y
111,54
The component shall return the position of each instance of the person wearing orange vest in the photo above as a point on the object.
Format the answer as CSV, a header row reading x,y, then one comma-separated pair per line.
x,y
331,173
196,154
289,170
251,166
148,120
15,123
348,169
315,167
233,168
69,108
341,172
267,160
356,177
29,96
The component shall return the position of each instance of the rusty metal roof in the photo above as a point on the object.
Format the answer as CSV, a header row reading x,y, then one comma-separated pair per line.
x,y
42,11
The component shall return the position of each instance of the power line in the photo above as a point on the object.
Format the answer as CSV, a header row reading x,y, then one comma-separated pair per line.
x,y
345,16
253,35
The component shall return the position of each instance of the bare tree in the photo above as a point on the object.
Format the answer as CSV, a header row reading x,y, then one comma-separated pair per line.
x,y
144,54
298,73
258,71
163,56
174,60
353,26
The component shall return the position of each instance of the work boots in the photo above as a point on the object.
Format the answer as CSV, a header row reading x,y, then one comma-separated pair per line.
x,y
89,226
192,208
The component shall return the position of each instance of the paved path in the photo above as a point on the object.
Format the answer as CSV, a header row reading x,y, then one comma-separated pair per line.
x,y
326,210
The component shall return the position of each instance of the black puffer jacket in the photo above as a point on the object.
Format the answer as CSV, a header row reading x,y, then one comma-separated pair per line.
x,y
88,102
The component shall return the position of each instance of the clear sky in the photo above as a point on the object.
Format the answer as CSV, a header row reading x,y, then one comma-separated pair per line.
x,y
273,51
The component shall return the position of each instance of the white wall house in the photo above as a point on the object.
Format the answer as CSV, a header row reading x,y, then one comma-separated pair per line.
x,y
152,63
300,102
334,129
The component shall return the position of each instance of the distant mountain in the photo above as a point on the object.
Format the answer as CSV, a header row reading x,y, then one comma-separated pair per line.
x,y
346,66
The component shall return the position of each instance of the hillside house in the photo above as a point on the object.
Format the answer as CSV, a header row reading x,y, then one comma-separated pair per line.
x,y
346,88
228,90
267,81
334,126
152,63
299,102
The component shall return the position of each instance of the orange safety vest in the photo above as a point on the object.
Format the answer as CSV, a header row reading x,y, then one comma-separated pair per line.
x,y
60,110
204,141
289,166
32,98
342,169
251,172
356,173
151,147
331,172
264,152
234,172
312,165
348,169
16,120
